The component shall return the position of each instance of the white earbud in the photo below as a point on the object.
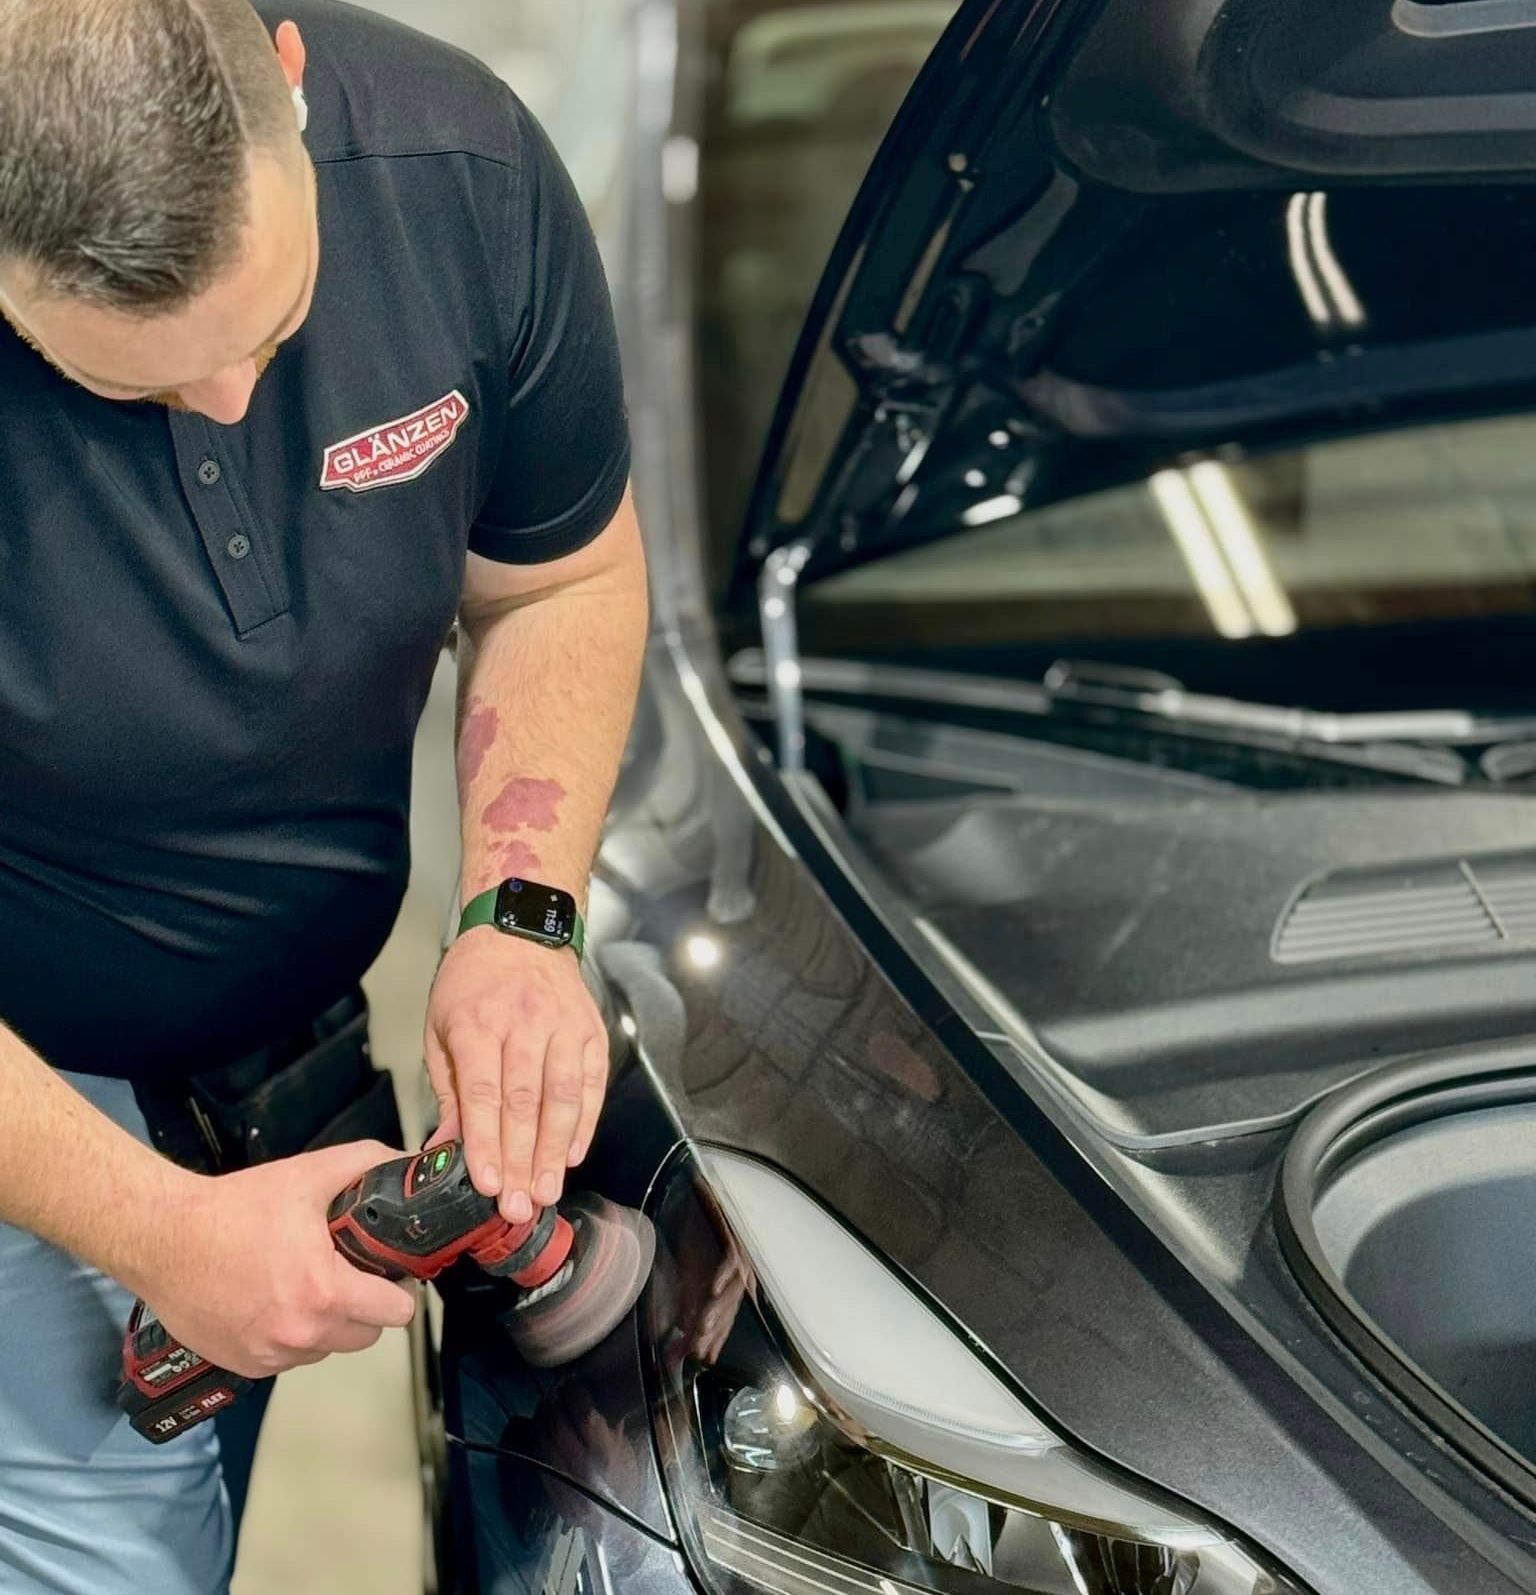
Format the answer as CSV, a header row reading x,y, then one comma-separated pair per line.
x,y
301,109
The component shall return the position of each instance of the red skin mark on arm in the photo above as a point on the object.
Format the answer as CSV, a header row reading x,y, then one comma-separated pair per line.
x,y
475,738
524,803
517,858
509,859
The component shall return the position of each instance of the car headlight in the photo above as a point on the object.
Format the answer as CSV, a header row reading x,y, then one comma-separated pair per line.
x,y
824,1432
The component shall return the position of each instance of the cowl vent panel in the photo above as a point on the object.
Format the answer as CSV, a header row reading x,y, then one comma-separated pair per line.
x,y
1509,888
1457,904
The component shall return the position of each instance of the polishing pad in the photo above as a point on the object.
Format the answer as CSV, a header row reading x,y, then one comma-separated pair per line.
x,y
609,1263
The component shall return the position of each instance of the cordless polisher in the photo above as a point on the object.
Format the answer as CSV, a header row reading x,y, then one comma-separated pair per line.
x,y
579,1267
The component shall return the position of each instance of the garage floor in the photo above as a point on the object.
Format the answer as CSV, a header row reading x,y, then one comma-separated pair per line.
x,y
335,1504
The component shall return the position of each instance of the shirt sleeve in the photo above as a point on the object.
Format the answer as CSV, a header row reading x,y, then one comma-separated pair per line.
x,y
564,459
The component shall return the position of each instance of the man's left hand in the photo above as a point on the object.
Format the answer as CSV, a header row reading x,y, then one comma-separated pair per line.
x,y
518,1058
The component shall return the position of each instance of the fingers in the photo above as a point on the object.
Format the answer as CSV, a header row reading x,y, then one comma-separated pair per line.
x,y
343,1336
280,1363
594,1087
369,1301
519,1066
476,1058
559,1114
354,1337
522,1093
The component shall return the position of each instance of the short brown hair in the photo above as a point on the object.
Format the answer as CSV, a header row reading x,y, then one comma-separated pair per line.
x,y
126,129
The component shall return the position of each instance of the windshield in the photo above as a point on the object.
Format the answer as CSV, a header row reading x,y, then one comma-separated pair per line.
x,y
1395,571
1361,560
797,99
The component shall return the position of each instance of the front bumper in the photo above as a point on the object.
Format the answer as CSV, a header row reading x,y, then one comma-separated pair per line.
x,y
518,1527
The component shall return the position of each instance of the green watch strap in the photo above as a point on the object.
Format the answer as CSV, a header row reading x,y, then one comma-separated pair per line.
x,y
481,910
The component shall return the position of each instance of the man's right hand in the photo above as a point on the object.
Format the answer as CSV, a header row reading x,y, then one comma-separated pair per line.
x,y
250,1278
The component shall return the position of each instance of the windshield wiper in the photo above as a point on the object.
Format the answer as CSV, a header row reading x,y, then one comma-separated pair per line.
x,y
1419,744
1150,692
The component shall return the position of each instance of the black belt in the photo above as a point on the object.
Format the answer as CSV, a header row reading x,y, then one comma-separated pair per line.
x,y
315,1087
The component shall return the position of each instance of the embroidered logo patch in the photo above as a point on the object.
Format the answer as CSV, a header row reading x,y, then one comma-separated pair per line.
x,y
395,451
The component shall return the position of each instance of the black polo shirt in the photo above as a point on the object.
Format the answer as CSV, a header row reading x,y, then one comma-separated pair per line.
x,y
216,642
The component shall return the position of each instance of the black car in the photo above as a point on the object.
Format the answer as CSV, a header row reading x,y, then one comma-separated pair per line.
x,y
1066,923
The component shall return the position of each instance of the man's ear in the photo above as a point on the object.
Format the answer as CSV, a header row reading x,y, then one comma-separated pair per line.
x,y
290,52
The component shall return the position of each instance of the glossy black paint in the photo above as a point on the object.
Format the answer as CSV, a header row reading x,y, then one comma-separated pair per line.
x,y
797,1045
776,1009
523,1531
590,1421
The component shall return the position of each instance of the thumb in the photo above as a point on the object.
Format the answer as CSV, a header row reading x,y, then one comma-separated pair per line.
x,y
440,1073
448,1128
332,1169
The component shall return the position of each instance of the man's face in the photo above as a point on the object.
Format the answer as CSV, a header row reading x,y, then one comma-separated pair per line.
x,y
208,355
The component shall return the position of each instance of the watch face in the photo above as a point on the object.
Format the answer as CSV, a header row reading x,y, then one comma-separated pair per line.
x,y
544,913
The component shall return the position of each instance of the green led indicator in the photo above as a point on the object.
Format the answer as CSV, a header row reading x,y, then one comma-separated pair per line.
x,y
440,1162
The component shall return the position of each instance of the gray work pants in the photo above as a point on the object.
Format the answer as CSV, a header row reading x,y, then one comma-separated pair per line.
x,y
88,1507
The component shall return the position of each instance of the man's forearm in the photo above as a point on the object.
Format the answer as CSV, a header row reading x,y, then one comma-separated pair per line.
x,y
549,671
72,1176
546,693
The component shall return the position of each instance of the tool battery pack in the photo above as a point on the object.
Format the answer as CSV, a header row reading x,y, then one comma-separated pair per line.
x,y
167,1387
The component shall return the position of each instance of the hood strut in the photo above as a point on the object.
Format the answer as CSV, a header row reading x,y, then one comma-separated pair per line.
x,y
776,593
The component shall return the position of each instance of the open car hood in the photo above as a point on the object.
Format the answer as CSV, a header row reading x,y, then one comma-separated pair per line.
x,y
1010,316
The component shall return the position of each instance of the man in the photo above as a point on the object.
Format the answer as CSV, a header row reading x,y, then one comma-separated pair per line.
x,y
277,406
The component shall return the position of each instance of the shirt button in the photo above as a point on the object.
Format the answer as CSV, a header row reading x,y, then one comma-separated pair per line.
x,y
208,472
238,546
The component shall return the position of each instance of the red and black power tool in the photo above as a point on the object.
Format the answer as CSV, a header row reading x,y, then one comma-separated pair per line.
x,y
579,1269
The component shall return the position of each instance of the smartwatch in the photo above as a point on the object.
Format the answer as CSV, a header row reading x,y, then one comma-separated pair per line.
x,y
525,908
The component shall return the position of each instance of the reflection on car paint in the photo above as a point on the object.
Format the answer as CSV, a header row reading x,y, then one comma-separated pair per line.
x,y
527,1534
567,1570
